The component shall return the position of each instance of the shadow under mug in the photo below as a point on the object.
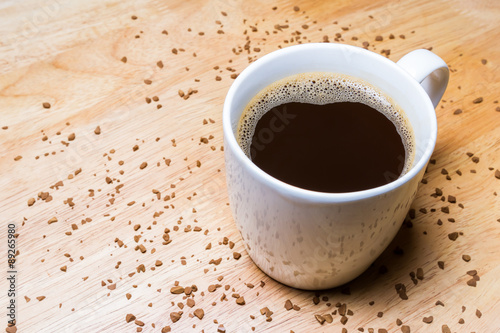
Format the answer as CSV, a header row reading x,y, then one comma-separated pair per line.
x,y
315,240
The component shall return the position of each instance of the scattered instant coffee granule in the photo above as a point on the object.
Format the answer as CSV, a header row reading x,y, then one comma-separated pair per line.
x,y
97,130
441,264
143,165
129,317
457,111
445,329
405,329
478,100
466,257
11,328
17,158
428,320
46,105
320,319
177,290
175,316
478,313
124,60
401,291
199,313
453,236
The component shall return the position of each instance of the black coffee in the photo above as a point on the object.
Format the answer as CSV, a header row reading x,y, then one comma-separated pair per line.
x,y
338,147
326,132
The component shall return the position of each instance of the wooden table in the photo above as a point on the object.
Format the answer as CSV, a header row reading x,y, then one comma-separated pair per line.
x,y
79,161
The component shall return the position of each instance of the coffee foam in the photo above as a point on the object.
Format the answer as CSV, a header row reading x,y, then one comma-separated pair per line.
x,y
323,88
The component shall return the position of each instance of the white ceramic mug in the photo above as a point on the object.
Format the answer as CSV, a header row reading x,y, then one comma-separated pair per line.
x,y
315,240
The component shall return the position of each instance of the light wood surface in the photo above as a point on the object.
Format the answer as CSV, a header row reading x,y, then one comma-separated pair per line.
x,y
68,54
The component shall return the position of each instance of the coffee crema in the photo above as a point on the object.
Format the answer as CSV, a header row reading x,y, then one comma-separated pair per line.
x,y
327,132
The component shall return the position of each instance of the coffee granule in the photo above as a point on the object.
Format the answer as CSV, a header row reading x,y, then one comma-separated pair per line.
x,y
177,290
320,319
175,316
199,313
471,283
428,320
420,273
46,105
477,100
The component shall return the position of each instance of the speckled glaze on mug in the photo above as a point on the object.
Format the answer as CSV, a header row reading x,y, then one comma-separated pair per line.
x,y
314,240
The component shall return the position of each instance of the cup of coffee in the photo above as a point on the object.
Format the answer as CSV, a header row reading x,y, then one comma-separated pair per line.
x,y
325,145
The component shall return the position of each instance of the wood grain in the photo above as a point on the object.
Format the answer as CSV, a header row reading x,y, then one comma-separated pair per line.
x,y
68,53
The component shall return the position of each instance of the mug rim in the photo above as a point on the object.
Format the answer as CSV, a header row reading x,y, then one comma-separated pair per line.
x,y
317,196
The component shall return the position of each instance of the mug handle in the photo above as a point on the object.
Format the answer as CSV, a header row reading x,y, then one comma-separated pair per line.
x,y
429,70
